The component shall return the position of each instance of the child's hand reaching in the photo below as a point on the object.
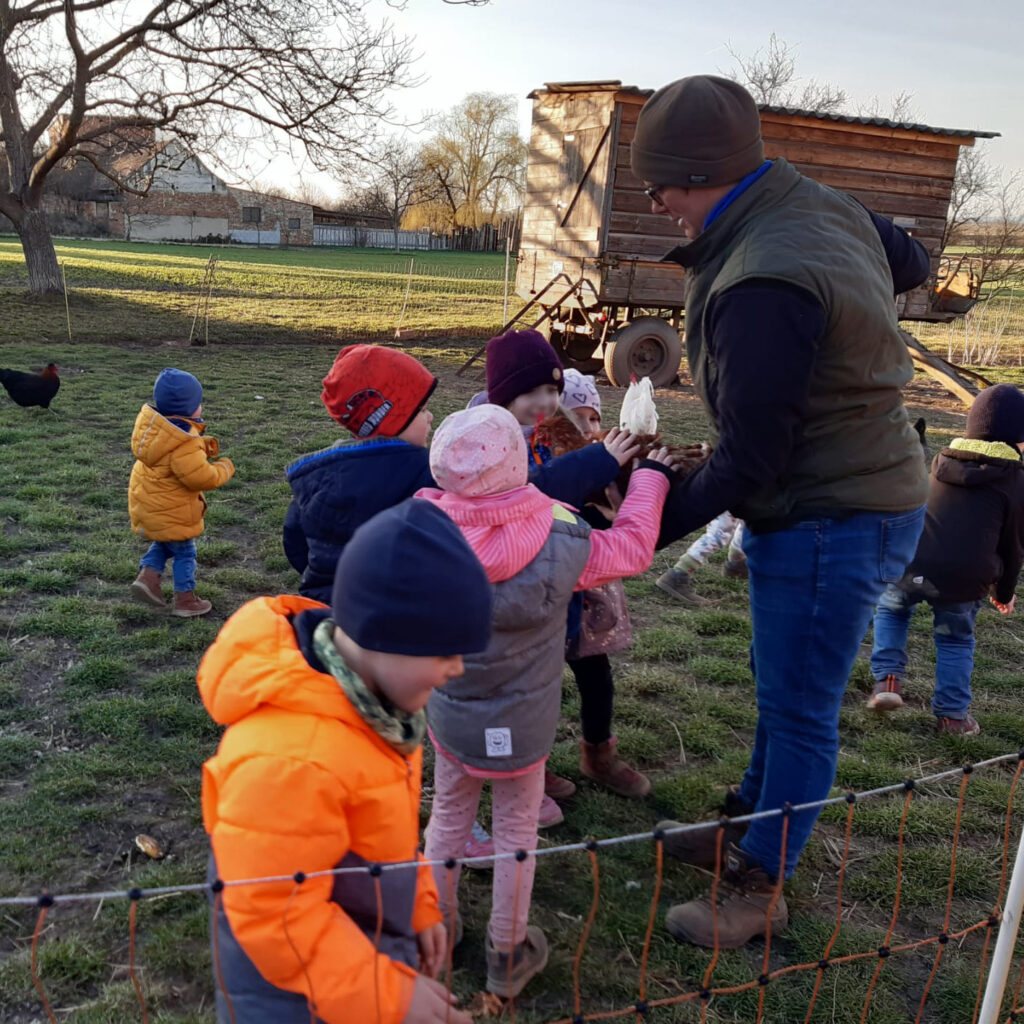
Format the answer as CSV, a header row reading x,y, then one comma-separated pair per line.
x,y
1004,609
433,945
622,446
432,1004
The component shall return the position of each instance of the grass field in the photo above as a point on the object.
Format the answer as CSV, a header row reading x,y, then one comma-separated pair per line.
x,y
139,292
102,734
150,294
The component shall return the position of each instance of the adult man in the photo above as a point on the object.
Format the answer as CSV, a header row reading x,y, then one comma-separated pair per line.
x,y
792,341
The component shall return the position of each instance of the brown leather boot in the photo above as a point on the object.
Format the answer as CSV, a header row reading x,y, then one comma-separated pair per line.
x,y
747,905
188,604
556,787
698,846
600,762
529,958
146,588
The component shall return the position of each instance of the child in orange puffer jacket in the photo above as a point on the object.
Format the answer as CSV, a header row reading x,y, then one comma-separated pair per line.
x,y
165,494
319,769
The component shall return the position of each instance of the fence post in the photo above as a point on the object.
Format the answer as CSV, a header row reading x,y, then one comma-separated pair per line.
x,y
504,313
1003,953
408,288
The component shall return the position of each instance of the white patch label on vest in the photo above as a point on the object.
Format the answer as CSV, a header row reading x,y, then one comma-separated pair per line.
x,y
499,742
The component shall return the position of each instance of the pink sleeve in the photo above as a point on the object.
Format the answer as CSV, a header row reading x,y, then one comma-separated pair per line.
x,y
628,547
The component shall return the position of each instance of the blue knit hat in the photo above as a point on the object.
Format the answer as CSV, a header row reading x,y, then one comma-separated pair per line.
x,y
408,583
177,393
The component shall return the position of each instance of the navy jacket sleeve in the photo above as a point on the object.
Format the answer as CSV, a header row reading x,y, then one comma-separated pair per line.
x,y
296,547
908,259
763,335
575,476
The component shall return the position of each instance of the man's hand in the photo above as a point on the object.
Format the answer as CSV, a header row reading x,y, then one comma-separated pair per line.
x,y
1004,609
431,1004
622,446
433,945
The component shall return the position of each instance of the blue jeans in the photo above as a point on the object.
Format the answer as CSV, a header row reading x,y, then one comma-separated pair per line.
x,y
813,588
954,647
184,554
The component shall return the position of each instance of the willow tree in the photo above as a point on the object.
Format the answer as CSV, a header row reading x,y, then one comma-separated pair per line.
x,y
217,75
474,166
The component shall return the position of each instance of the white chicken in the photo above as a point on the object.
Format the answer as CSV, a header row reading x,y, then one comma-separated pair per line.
x,y
638,414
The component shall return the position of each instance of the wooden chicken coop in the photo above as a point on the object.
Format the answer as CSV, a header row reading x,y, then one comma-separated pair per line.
x,y
589,266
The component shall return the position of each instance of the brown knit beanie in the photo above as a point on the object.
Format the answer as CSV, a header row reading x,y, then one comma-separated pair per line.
x,y
698,132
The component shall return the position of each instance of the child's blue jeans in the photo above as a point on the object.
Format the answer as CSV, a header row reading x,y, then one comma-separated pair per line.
x,y
184,554
954,647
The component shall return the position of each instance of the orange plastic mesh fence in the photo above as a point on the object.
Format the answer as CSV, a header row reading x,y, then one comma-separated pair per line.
x,y
639,1009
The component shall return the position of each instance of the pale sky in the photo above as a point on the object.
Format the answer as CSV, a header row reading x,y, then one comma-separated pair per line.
x,y
962,61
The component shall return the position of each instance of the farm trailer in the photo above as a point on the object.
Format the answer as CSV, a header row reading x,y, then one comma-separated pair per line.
x,y
590,265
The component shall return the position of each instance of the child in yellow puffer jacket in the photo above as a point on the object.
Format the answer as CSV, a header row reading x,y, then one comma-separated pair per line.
x,y
165,499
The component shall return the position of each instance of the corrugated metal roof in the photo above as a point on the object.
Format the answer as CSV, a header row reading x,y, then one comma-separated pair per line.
x,y
879,122
615,85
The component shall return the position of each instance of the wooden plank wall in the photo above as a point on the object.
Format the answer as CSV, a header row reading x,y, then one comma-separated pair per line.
x,y
548,248
902,174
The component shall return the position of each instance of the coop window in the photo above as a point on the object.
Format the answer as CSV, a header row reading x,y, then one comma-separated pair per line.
x,y
294,223
251,215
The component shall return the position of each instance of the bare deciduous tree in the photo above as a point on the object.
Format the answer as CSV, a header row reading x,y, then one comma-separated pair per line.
x,y
475,165
215,74
899,107
985,222
397,178
770,75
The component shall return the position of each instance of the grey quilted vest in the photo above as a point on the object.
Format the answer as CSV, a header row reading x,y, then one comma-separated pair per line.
x,y
502,714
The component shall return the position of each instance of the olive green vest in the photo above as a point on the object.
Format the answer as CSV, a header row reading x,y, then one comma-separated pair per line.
x,y
857,449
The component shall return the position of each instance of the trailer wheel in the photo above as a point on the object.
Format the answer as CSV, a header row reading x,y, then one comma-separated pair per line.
x,y
647,347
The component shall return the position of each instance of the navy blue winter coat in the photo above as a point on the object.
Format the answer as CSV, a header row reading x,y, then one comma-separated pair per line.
x,y
338,489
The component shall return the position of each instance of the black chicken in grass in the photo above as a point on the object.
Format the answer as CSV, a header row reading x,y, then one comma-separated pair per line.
x,y
28,389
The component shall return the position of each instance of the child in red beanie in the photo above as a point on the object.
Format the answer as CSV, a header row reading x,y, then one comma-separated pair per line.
x,y
380,396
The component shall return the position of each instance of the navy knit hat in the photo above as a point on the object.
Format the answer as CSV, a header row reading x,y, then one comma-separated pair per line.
x,y
408,583
997,414
518,362
177,393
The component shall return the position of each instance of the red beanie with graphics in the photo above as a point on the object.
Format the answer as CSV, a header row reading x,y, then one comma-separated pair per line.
x,y
375,391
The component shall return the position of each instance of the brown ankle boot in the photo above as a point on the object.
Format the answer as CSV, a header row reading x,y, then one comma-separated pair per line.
x,y
529,958
747,906
556,787
146,588
188,604
698,846
600,762
680,585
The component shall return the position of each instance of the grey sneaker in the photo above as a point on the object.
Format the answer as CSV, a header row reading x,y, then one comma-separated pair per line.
x,y
529,958
680,585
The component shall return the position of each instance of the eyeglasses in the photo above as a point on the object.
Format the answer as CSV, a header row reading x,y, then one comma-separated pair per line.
x,y
652,193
